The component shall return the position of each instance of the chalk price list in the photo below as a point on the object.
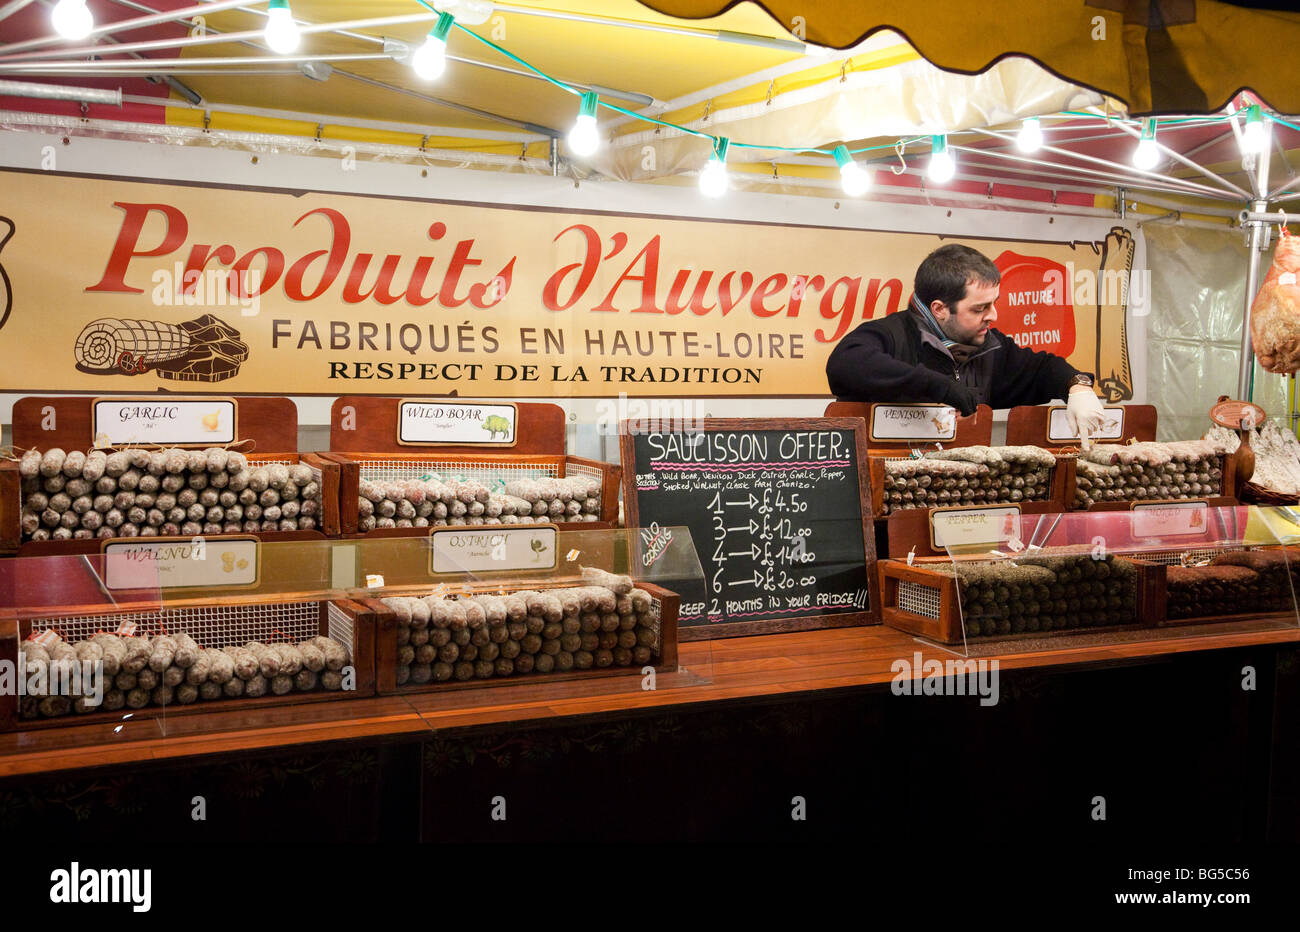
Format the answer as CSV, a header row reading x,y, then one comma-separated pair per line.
x,y
775,516
776,547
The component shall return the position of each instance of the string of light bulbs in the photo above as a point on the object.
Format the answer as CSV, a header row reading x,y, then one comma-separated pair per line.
x,y
72,19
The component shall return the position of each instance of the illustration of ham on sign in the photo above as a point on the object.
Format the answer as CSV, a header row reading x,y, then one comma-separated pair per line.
x,y
6,292
1034,308
205,349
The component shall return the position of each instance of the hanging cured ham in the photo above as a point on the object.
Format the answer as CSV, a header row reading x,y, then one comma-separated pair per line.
x,y
1275,314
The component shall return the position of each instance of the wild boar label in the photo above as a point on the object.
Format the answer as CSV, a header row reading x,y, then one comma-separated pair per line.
x,y
429,423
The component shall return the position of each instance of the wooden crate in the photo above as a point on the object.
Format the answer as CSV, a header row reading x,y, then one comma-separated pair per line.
x,y
386,465
922,600
1056,479
1068,466
328,475
267,427
213,623
666,602
1161,560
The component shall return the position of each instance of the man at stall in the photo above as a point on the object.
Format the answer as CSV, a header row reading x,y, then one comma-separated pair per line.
x,y
943,349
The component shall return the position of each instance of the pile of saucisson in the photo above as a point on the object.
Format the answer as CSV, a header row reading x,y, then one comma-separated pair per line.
x,y
606,623
142,493
140,671
435,502
1112,472
968,476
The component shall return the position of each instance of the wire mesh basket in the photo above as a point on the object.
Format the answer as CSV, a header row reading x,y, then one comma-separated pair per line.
x,y
344,671
492,470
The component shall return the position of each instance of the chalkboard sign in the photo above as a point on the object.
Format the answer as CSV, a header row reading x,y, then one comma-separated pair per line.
x,y
779,513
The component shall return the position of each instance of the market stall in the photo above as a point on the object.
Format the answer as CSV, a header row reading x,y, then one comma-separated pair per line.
x,y
377,370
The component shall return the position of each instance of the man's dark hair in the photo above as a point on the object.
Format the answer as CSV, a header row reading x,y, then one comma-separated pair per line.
x,y
944,274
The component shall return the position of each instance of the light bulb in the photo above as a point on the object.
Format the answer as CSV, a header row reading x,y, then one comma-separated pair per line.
x,y
281,33
584,138
941,167
1147,155
713,178
854,179
71,19
1254,138
1031,136
429,61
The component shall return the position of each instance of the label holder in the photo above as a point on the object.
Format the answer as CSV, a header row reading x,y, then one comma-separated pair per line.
x,y
946,430
209,543
547,532
455,403
1115,434
109,444
992,511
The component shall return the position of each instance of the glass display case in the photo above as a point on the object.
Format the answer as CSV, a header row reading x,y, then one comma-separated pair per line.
x,y
485,605
142,635
997,581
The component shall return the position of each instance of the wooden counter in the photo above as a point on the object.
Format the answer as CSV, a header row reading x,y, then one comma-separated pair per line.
x,y
725,671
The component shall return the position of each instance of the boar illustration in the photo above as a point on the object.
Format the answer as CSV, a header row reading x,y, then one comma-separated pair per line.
x,y
496,424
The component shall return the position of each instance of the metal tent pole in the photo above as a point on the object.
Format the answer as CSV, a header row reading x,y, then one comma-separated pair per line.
x,y
1258,243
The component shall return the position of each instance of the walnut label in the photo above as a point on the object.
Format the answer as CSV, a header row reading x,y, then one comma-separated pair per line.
x,y
492,549
155,420
201,563
913,422
1169,519
1059,430
959,528
430,422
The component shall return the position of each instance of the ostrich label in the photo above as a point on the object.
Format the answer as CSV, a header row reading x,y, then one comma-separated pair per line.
x,y
163,421
492,549
424,422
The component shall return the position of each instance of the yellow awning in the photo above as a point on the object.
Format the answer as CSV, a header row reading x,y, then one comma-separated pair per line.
x,y
1169,56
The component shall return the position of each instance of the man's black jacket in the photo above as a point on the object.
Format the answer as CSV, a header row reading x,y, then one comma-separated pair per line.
x,y
887,360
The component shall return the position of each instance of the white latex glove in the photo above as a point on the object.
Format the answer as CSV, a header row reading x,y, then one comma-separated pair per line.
x,y
1085,413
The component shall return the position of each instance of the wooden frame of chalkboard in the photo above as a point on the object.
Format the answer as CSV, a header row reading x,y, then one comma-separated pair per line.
x,y
708,631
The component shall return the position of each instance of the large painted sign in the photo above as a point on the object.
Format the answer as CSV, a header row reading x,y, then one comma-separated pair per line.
x,y
123,286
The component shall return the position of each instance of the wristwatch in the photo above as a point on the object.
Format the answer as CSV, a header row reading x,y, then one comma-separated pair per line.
x,y
1081,379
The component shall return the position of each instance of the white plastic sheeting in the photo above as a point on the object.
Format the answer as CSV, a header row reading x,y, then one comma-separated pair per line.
x,y
1198,283
910,99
